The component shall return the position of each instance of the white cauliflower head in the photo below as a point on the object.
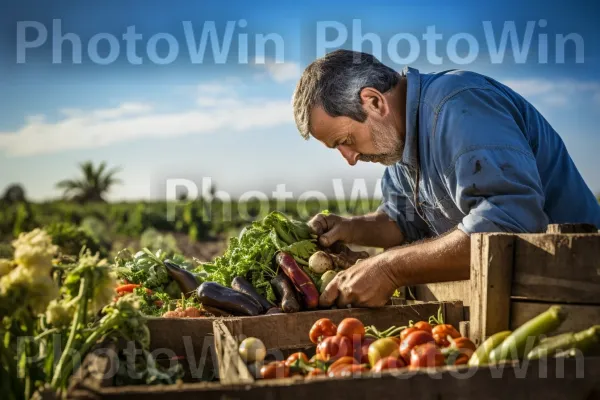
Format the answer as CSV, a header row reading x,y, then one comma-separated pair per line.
x,y
34,250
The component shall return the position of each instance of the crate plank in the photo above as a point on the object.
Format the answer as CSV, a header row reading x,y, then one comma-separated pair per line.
x,y
579,316
444,291
557,268
572,228
490,283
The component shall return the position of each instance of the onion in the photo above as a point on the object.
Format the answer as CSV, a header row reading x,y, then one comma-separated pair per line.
x,y
320,262
252,350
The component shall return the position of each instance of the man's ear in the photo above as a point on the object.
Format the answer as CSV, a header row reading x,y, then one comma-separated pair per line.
x,y
374,102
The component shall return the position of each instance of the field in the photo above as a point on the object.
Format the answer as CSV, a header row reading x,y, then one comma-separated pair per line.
x,y
196,229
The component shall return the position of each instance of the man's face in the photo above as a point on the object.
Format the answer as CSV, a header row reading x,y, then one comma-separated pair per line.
x,y
374,140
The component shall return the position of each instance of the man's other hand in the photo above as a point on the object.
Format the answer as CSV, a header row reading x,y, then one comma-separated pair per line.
x,y
331,228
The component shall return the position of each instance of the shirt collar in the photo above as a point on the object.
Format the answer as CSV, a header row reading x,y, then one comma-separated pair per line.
x,y
413,97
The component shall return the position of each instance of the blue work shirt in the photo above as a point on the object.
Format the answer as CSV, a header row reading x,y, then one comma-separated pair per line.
x,y
485,160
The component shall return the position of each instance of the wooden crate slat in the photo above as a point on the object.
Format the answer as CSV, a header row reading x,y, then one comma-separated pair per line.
x,y
491,271
579,316
444,291
557,268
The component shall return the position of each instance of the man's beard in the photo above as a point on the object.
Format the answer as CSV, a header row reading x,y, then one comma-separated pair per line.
x,y
387,143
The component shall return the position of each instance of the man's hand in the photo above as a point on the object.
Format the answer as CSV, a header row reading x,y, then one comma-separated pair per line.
x,y
371,282
372,230
366,284
331,228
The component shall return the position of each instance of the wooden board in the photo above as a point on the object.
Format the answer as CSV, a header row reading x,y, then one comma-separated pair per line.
x,y
490,284
572,228
444,291
285,331
184,336
579,316
558,268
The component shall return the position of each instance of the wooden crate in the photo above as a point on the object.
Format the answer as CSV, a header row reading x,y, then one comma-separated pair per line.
x,y
549,379
515,277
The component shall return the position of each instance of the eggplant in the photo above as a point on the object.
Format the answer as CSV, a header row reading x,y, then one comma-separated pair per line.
x,y
216,312
242,285
274,310
286,293
214,295
186,280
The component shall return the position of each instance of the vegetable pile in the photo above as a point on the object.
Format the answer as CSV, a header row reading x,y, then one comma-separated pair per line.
x,y
352,349
275,260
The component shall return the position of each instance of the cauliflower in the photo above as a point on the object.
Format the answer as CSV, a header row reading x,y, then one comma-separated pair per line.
x,y
35,250
5,266
22,287
59,314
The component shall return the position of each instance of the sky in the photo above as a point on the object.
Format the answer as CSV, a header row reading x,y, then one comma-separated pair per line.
x,y
197,90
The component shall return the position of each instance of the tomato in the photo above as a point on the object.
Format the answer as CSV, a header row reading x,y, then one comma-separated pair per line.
x,y
426,355
275,370
315,372
351,328
465,344
362,353
295,357
316,357
322,329
441,333
445,330
382,348
407,332
388,363
414,339
347,370
423,326
460,351
342,361
334,347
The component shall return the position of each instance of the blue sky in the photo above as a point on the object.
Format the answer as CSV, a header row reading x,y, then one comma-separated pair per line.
x,y
229,117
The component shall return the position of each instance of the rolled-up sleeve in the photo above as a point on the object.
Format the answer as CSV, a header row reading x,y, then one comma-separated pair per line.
x,y
396,205
490,170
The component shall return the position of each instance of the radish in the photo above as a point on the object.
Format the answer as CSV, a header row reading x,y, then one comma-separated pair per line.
x,y
320,262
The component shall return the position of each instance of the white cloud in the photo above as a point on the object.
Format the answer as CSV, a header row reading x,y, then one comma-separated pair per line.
x,y
217,109
554,93
279,72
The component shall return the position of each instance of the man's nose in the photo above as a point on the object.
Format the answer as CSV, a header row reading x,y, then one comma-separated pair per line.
x,y
350,155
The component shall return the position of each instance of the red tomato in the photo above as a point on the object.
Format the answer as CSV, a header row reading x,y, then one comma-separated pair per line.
x,y
347,370
275,370
322,329
407,332
334,347
315,372
343,361
362,353
388,363
294,357
414,339
445,330
352,328
426,355
423,326
460,351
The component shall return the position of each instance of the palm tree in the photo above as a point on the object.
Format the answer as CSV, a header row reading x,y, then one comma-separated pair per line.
x,y
92,186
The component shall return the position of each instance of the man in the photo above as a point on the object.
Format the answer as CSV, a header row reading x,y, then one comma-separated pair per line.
x,y
464,154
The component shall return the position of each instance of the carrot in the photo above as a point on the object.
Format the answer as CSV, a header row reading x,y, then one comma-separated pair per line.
x,y
304,285
127,288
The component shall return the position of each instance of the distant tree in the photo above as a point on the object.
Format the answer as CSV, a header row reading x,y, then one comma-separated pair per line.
x,y
92,186
14,194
